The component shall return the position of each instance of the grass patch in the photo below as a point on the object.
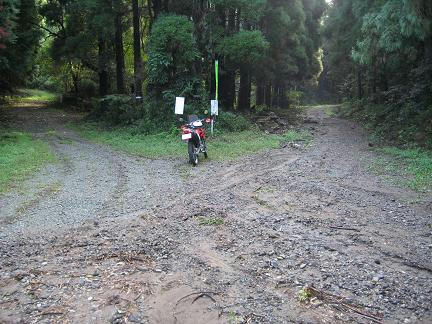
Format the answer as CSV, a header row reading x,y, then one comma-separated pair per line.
x,y
329,110
210,221
224,146
414,162
35,95
20,155
304,295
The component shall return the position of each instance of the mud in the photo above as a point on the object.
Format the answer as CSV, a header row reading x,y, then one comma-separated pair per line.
x,y
119,238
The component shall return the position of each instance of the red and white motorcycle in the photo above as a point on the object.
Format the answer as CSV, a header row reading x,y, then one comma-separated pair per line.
x,y
194,133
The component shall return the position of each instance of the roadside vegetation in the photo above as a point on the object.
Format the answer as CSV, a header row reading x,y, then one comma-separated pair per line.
x,y
31,96
378,62
20,156
224,145
413,165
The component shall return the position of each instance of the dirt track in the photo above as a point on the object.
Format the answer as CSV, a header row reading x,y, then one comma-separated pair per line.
x,y
106,237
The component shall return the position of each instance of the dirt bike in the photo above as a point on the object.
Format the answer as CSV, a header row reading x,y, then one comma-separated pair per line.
x,y
195,135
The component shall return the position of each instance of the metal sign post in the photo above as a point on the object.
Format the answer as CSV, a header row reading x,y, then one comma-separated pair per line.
x,y
214,103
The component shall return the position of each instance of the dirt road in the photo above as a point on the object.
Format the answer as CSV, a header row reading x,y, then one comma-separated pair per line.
x,y
104,237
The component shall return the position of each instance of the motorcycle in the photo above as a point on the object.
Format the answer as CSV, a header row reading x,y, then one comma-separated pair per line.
x,y
195,135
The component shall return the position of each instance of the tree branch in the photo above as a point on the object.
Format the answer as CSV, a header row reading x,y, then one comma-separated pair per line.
x,y
50,32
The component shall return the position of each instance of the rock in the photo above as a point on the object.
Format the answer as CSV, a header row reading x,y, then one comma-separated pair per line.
x,y
303,265
274,264
134,318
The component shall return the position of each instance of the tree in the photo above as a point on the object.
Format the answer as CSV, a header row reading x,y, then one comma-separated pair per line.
x,y
245,49
385,47
19,40
138,71
119,11
172,53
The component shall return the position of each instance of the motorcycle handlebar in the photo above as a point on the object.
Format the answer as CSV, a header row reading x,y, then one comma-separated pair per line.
x,y
204,120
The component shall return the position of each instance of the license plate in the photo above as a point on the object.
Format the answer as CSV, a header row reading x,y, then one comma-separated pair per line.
x,y
186,137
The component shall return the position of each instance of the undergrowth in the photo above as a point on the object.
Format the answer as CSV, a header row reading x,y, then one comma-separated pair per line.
x,y
393,125
223,146
407,125
417,164
31,95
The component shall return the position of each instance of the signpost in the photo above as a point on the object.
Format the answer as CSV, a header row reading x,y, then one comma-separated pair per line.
x,y
214,108
179,105
214,103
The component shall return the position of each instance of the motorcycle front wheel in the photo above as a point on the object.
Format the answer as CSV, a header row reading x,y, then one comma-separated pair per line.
x,y
193,155
205,149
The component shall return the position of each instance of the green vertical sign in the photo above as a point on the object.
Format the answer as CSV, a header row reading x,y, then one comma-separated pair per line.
x,y
217,78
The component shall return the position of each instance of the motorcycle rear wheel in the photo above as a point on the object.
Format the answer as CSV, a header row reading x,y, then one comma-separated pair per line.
x,y
193,156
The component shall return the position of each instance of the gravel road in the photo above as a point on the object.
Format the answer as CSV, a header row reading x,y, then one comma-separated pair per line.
x,y
105,237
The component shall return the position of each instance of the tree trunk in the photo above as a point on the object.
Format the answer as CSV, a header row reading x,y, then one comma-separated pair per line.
x,y
284,102
231,26
157,8
260,92
384,80
103,69
374,76
165,6
268,94
359,84
227,89
120,63
245,90
212,85
428,50
276,96
138,74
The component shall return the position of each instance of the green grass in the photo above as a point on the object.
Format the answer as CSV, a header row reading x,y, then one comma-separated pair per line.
x,y
224,146
329,110
37,95
210,221
20,155
414,162
32,95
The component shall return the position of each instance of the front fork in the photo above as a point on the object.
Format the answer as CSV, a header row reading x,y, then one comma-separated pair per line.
x,y
199,143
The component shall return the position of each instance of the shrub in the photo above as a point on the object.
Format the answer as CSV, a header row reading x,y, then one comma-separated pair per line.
x,y
294,97
233,123
88,88
119,109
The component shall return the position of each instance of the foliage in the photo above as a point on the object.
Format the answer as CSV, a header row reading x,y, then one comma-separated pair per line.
x,y
119,109
210,221
304,295
270,43
380,59
8,14
233,122
224,146
20,155
19,39
294,97
416,162
172,49
245,47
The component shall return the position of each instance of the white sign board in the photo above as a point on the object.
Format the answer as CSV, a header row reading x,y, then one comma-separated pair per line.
x,y
214,108
179,106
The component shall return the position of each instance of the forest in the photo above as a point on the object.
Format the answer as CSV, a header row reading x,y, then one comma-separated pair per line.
x,y
373,55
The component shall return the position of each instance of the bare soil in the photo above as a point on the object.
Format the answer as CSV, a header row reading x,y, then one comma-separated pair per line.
x,y
105,237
